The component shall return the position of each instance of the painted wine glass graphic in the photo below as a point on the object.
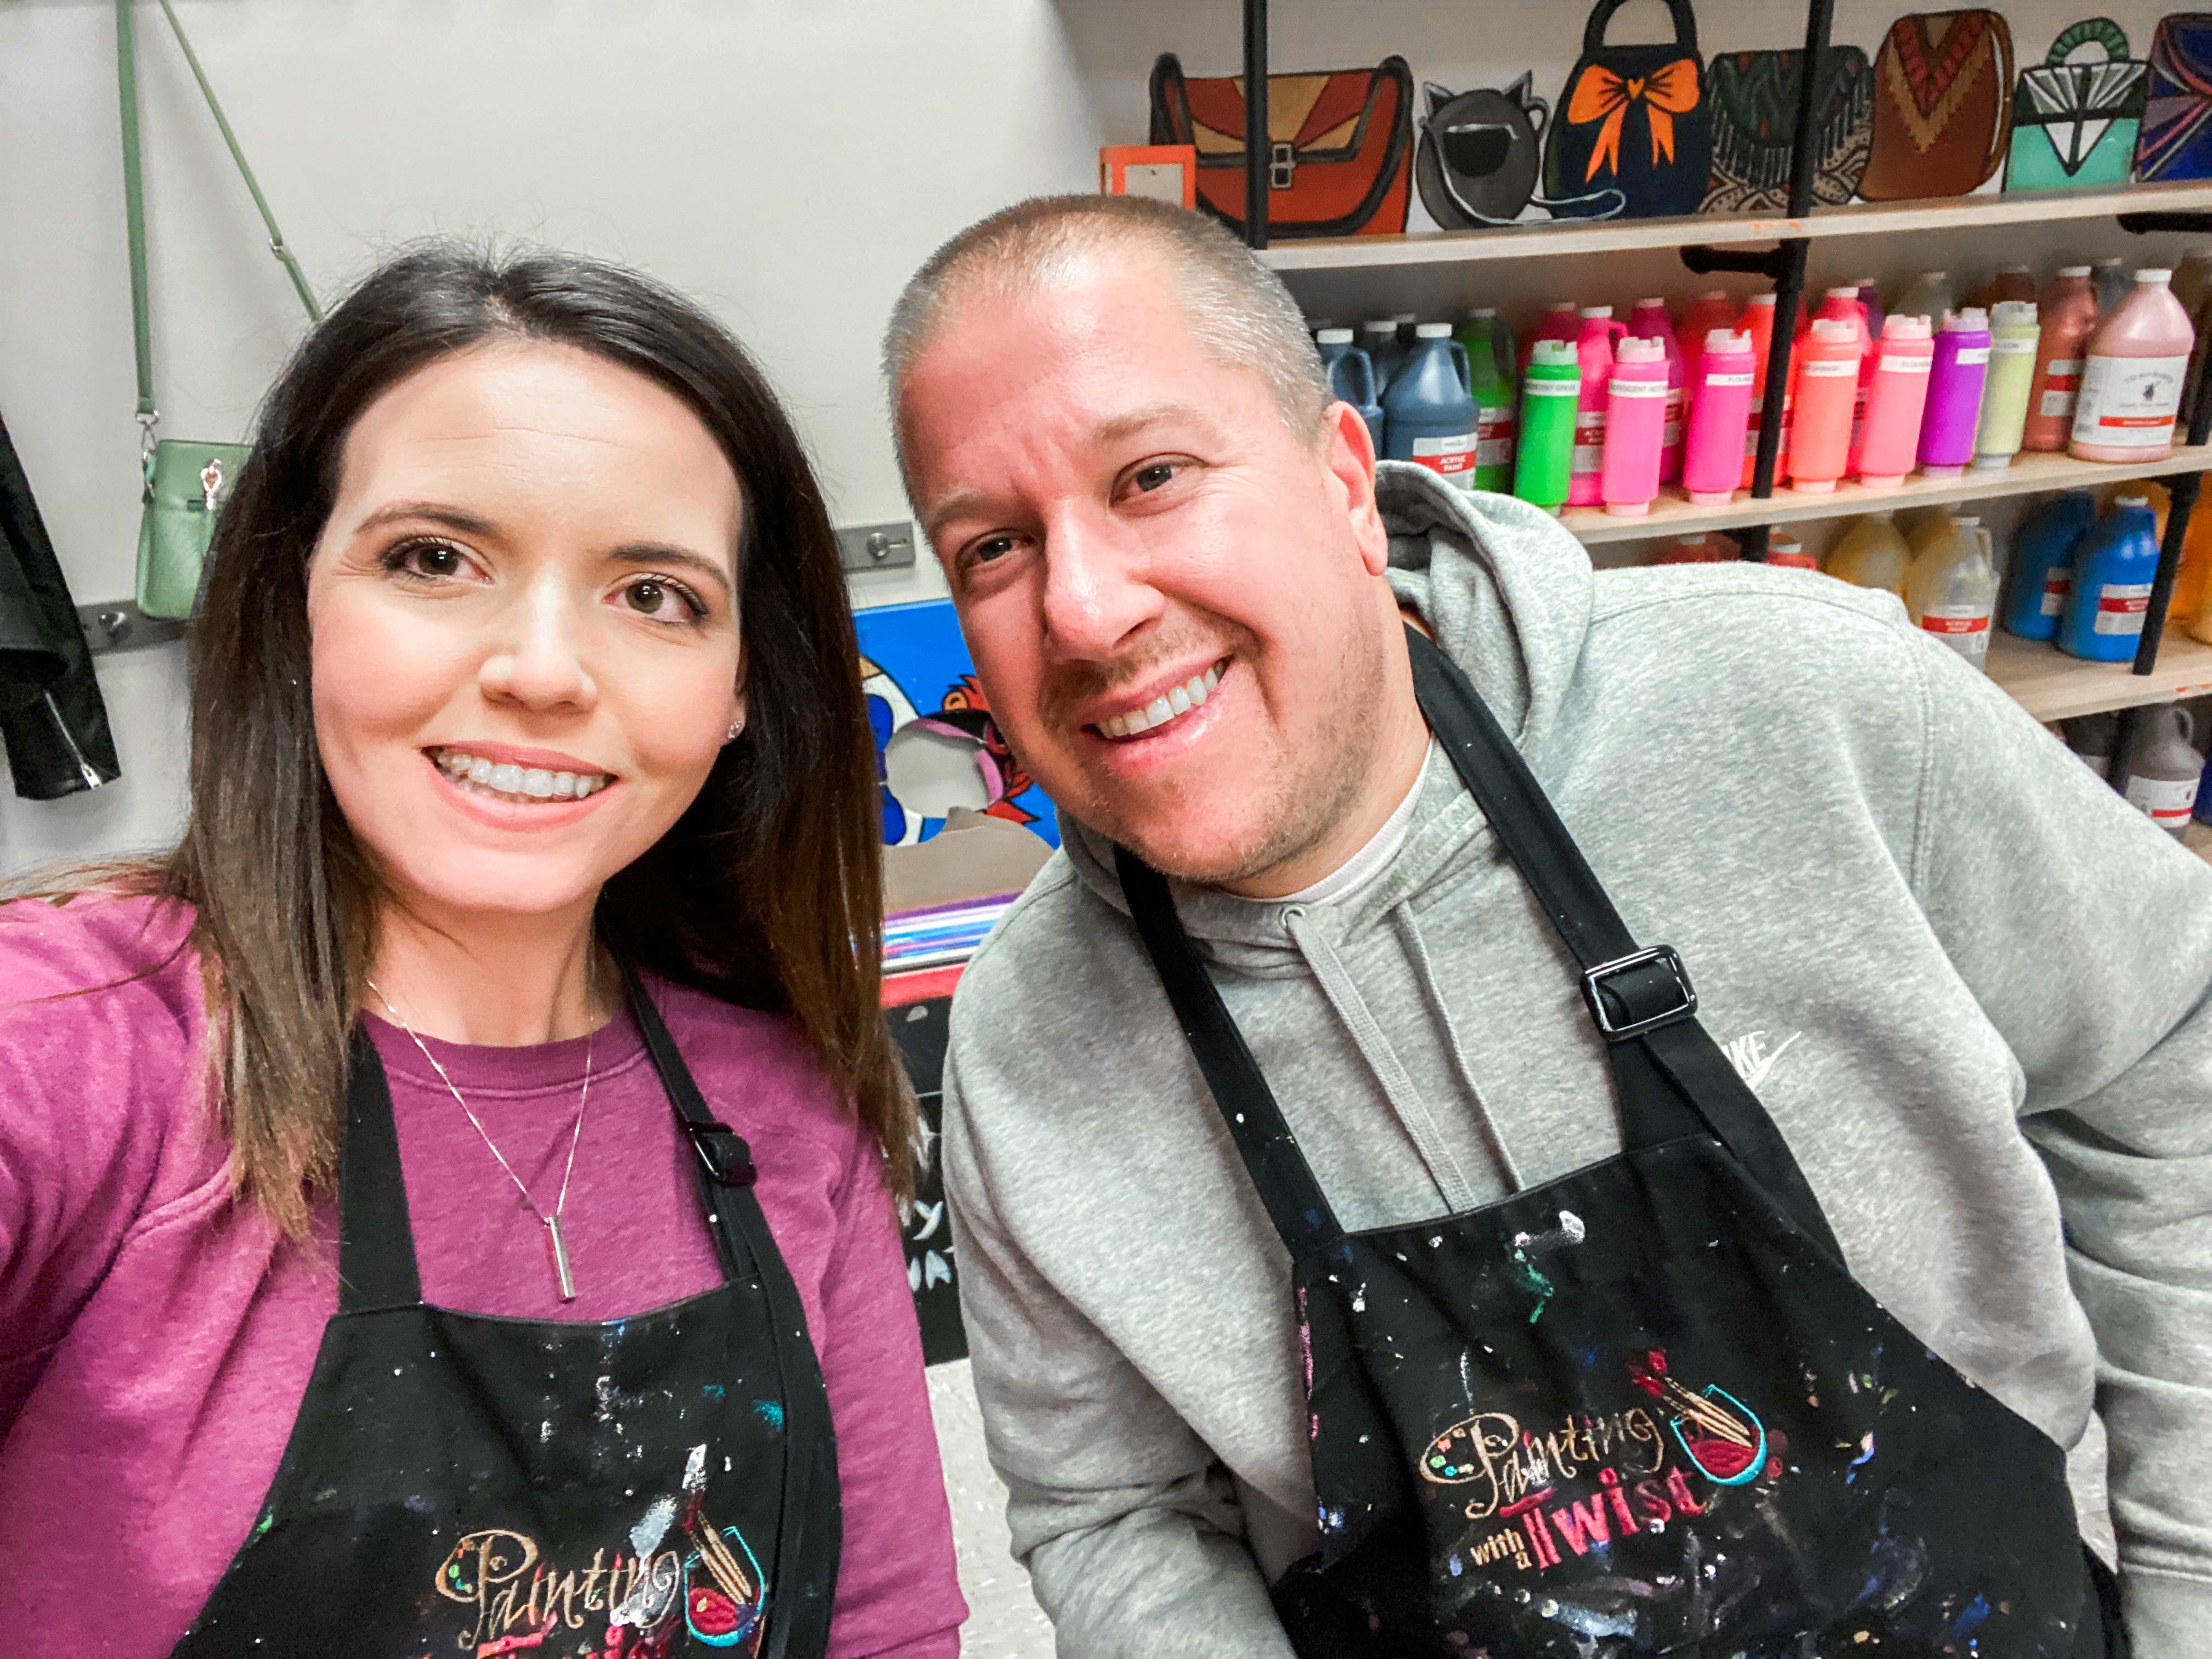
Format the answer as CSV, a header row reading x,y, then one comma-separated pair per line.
x,y
722,1592
1718,1433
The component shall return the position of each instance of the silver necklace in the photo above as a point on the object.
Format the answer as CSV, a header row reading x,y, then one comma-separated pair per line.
x,y
554,1238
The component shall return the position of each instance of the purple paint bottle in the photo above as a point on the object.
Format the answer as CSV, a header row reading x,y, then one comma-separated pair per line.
x,y
1955,393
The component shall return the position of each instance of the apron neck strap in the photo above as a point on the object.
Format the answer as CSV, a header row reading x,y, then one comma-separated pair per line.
x,y
376,1247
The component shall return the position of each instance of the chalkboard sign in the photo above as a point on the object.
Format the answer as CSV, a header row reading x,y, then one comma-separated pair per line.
x,y
918,1027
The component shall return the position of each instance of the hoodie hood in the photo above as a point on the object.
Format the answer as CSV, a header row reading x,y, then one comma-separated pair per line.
x,y
1507,593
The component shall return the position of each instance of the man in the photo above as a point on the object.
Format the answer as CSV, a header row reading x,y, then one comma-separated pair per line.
x,y
1965,983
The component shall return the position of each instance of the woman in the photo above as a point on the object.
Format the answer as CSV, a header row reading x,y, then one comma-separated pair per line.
x,y
379,1233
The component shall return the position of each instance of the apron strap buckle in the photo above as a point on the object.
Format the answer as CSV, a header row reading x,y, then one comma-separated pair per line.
x,y
722,1150
1638,993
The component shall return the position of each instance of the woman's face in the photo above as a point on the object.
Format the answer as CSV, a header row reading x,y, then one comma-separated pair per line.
x,y
525,621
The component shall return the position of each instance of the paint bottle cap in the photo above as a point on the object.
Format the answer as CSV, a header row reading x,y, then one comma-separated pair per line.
x,y
1636,350
2154,275
1552,354
1967,523
2074,270
1380,325
2015,270
1432,330
1901,326
1332,337
1713,294
1723,340
1863,283
1404,316
1690,541
2130,501
1968,321
1834,331
1563,305
1654,300
2014,313
1850,294
1596,310
1481,311
1761,299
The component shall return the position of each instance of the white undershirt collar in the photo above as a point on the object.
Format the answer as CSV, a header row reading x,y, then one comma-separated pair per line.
x,y
1362,870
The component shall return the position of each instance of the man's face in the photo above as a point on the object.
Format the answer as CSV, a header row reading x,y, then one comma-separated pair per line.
x,y
1173,600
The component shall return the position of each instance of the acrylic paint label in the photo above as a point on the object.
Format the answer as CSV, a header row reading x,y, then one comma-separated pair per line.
x,y
1670,432
1589,441
2014,348
1552,389
2168,801
1636,388
1972,354
1964,628
2057,588
1493,435
1452,455
1817,369
1902,364
2121,608
2130,402
2062,380
1728,379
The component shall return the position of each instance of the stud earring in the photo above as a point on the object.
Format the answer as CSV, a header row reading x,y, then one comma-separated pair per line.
x,y
736,726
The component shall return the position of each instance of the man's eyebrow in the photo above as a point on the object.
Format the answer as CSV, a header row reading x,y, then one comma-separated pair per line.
x,y
1119,428
959,501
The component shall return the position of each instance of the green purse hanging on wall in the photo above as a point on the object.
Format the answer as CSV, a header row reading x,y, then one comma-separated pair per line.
x,y
185,481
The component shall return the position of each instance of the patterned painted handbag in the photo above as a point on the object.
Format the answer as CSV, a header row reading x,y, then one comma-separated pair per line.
x,y
1340,146
1632,118
1942,105
2176,123
2073,125
1755,99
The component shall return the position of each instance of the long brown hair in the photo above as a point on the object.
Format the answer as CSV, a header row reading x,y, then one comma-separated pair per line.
x,y
765,893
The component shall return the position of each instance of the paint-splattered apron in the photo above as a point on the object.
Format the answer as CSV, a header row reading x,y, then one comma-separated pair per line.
x,y
1642,1409
460,1484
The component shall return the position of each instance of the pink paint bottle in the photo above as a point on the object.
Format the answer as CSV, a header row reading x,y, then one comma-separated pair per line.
x,y
1955,380
1827,389
2131,380
1897,401
1635,426
1560,322
1650,321
1593,353
1720,414
1757,321
1712,310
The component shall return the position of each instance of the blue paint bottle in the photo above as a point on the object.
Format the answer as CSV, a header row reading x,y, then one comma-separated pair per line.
x,y
1352,377
1429,413
2116,562
2043,564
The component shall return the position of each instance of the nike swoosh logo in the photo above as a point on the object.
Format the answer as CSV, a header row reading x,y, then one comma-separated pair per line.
x,y
1758,1075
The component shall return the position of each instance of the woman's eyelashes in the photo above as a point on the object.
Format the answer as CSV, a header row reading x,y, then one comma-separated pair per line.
x,y
665,599
424,563
421,560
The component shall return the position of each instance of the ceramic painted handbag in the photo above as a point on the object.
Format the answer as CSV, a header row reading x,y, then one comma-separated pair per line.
x,y
1942,105
1755,101
2073,125
2176,141
1340,146
185,481
1632,119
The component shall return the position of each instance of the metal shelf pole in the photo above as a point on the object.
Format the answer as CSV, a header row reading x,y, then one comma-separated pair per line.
x,y
1257,147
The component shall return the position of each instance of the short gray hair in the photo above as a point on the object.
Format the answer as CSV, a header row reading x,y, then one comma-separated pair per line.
x,y
1238,310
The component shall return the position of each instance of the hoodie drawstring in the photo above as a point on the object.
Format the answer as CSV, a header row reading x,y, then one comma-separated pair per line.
x,y
1401,917
1452,1182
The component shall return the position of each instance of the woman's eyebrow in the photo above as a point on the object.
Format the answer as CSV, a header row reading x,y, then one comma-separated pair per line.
x,y
468,524
663,554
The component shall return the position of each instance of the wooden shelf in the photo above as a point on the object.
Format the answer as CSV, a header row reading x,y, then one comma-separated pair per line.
x,y
1672,514
2053,686
1569,238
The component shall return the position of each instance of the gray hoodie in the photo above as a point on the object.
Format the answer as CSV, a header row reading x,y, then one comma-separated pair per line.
x,y
1968,982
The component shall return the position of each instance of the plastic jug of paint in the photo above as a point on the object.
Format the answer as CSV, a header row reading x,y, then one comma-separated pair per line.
x,y
1955,378
1698,549
1409,329
1785,549
2111,278
2010,283
1891,443
1491,380
2013,335
2115,564
1352,377
1928,294
1720,414
2132,376
1649,321
1871,554
1844,305
1711,310
1635,426
2164,769
2192,577
1428,416
1378,339
2043,564
1551,387
1870,302
1563,321
2068,316
1594,357
1757,321
1827,386
1952,589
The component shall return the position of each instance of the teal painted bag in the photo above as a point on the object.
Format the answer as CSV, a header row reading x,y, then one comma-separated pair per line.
x,y
2074,125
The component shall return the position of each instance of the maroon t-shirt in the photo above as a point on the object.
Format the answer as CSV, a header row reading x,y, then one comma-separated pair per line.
x,y
155,1337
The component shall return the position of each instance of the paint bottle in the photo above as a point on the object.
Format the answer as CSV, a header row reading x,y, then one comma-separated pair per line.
x,y
1757,321
1650,321
1827,385
1785,549
2164,769
2115,564
1491,380
1378,339
2013,335
2010,283
2092,737
1871,554
1635,426
1428,417
1710,549
1594,355
2043,564
1551,387
1844,305
1895,402
1409,329
1711,310
1352,377
2192,577
1720,414
1563,321
1955,393
1870,301
1928,294
2110,277
2132,375
2068,314
1952,589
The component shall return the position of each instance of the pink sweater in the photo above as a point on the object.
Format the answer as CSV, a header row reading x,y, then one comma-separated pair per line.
x,y
155,1339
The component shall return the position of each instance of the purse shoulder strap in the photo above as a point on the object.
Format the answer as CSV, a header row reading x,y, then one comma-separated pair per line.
x,y
134,191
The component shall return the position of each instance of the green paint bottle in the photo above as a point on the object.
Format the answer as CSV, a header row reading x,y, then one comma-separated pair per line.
x,y
1549,392
1490,362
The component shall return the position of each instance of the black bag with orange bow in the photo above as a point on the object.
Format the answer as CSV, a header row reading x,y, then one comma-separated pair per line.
x,y
1633,118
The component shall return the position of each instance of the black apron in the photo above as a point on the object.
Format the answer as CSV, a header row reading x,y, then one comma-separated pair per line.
x,y
1645,1408
463,1484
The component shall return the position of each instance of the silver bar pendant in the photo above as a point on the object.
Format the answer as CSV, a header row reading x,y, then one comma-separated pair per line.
x,y
561,1258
